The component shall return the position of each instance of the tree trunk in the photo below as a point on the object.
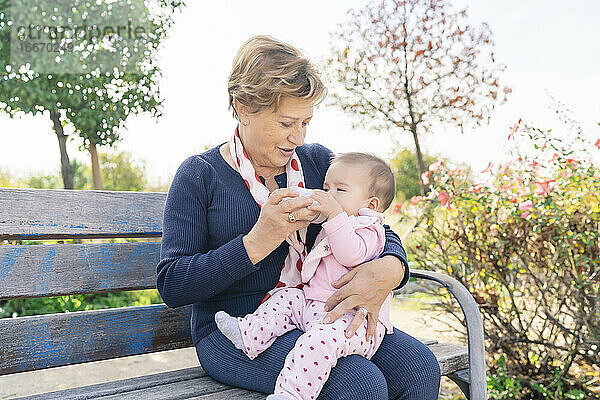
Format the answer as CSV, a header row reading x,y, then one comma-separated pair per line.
x,y
419,157
413,129
66,170
413,123
96,176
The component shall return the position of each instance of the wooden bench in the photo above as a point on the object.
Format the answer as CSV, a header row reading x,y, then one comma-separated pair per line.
x,y
42,270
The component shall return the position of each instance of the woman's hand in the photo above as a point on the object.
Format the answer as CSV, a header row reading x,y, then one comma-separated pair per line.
x,y
274,224
367,285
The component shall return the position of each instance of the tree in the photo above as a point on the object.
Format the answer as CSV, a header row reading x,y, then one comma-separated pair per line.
x,y
5,179
53,181
407,174
81,180
407,64
119,172
41,182
96,80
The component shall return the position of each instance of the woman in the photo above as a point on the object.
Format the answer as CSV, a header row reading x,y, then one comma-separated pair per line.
x,y
225,229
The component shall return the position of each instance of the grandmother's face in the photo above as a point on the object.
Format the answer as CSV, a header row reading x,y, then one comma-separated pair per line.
x,y
271,136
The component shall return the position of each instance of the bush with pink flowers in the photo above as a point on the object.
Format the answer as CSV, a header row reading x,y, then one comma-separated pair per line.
x,y
525,241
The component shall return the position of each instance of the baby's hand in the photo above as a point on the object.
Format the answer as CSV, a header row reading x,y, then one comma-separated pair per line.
x,y
327,205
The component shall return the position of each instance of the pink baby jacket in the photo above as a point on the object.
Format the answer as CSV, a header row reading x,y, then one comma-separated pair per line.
x,y
343,243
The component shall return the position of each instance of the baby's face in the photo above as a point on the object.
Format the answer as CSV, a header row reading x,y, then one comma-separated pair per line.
x,y
348,184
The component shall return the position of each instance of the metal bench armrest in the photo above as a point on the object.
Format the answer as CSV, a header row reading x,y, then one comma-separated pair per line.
x,y
477,371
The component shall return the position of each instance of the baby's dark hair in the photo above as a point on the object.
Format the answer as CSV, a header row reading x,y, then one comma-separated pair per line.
x,y
383,184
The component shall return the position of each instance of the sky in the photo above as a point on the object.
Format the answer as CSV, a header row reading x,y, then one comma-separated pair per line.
x,y
549,48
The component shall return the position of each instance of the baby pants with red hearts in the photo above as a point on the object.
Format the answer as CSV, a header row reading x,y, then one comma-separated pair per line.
x,y
308,365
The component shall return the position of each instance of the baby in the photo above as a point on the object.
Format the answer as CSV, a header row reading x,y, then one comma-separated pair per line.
x,y
358,187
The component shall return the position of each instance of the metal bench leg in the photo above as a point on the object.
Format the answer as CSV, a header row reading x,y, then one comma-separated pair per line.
x,y
476,374
462,379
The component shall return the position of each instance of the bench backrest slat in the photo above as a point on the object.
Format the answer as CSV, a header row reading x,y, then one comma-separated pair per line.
x,y
30,343
54,270
51,214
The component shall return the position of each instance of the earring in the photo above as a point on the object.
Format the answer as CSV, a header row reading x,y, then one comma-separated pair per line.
x,y
245,123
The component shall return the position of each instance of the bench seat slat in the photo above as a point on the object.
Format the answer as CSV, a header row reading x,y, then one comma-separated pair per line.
x,y
54,270
178,390
124,385
55,213
231,394
190,383
451,357
30,343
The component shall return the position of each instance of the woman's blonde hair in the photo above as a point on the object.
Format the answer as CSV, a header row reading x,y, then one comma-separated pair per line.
x,y
265,69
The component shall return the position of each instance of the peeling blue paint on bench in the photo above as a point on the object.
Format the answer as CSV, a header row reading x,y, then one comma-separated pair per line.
x,y
30,343
46,268
96,214
42,347
8,261
76,268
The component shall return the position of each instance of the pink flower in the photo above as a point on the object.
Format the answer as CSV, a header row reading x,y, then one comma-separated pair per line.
x,y
416,200
535,165
525,214
539,190
544,187
554,157
566,174
444,244
435,167
456,171
514,129
487,169
526,205
597,144
425,177
444,198
397,208
505,168
494,232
